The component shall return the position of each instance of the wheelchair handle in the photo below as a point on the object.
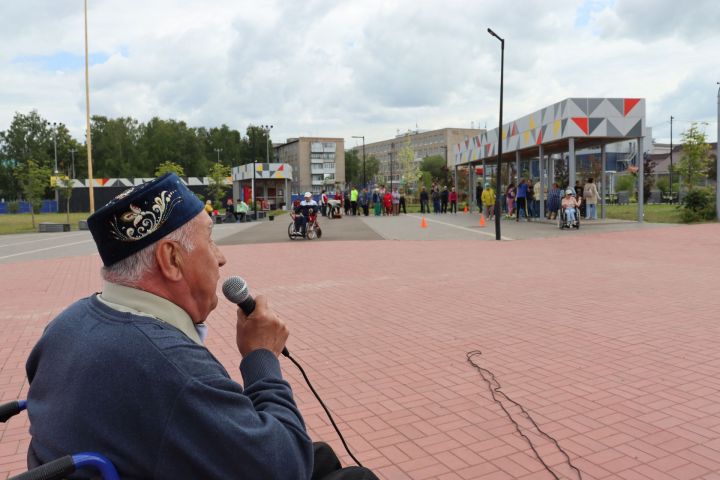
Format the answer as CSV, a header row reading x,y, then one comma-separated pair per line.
x,y
57,469
9,410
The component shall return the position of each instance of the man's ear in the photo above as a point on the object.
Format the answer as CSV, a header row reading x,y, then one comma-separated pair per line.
x,y
169,258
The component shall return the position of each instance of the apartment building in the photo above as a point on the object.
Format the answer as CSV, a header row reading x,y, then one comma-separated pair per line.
x,y
423,143
317,163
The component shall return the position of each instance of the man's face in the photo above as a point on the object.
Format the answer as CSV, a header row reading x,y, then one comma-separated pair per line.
x,y
201,269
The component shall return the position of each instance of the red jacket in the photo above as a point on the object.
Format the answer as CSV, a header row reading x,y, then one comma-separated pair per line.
x,y
453,197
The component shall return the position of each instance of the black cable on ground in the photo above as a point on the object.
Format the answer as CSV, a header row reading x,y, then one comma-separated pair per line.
x,y
495,390
322,404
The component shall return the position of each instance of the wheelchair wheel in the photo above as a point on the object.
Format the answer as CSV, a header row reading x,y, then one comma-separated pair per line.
x,y
291,230
311,232
319,231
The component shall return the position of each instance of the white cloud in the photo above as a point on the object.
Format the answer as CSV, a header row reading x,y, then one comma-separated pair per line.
x,y
357,67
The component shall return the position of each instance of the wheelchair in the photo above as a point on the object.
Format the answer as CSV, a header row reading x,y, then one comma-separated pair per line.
x,y
563,220
63,466
312,228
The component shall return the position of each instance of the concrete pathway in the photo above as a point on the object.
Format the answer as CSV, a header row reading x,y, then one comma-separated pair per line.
x,y
608,340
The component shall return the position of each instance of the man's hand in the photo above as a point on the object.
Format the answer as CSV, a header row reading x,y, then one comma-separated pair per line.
x,y
262,329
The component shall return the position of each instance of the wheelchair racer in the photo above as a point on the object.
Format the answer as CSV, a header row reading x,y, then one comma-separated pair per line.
x,y
303,211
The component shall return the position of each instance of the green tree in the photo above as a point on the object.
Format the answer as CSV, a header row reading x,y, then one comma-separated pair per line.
x,y
169,167
216,182
693,165
410,169
372,167
115,144
65,186
434,165
168,140
28,137
34,179
353,167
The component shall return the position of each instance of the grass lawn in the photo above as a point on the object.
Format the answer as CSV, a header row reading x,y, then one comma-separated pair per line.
x,y
660,213
22,222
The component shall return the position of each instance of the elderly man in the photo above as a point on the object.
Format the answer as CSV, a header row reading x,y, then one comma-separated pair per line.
x,y
124,372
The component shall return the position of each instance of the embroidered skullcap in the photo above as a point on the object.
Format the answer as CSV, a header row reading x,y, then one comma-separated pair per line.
x,y
142,215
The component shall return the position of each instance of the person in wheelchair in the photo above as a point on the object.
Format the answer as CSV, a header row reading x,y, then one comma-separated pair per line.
x,y
570,206
126,373
303,211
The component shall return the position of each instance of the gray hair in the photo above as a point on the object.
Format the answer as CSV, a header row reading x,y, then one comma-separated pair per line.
x,y
129,271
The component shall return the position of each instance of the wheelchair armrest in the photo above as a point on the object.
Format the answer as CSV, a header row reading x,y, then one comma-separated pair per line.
x,y
9,410
59,468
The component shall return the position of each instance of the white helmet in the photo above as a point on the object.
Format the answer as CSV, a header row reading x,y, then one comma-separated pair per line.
x,y
308,194
569,192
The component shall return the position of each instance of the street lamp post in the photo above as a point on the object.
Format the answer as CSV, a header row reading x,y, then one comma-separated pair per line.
x,y
72,154
499,157
671,157
363,139
57,193
218,150
392,145
266,129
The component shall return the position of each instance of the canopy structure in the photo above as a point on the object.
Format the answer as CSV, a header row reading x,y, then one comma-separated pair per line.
x,y
566,126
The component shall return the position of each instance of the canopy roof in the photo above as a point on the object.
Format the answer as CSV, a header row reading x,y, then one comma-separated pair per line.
x,y
590,121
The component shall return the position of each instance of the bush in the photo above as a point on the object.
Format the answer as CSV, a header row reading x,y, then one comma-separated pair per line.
x,y
698,205
625,183
663,184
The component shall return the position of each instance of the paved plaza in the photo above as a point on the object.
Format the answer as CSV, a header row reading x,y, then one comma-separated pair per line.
x,y
607,337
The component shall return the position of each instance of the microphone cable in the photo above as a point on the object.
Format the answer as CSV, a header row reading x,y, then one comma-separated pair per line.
x,y
286,353
495,390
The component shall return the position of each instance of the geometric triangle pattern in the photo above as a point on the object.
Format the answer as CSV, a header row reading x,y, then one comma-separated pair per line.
x,y
607,119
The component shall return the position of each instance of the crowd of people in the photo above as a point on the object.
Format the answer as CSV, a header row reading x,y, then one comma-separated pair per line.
x,y
523,200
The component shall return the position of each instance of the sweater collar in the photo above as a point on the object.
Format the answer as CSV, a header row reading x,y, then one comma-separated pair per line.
x,y
140,302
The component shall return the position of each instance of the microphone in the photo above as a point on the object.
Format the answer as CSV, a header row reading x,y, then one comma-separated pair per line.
x,y
236,290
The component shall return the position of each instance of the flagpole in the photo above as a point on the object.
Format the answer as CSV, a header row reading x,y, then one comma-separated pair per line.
x,y
87,120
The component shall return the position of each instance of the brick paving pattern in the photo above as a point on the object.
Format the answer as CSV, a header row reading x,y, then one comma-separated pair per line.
x,y
610,341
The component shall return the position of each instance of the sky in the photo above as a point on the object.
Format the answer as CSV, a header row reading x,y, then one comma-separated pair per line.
x,y
357,67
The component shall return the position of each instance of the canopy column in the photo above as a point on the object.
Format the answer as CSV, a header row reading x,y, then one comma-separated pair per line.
x,y
603,180
571,162
542,182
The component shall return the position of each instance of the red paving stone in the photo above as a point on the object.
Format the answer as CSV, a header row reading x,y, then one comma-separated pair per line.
x,y
610,341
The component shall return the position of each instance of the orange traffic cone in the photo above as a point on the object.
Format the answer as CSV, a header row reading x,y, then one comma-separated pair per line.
x,y
482,220
466,209
423,224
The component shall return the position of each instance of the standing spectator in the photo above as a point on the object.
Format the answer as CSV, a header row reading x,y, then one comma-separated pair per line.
x,y
377,202
536,198
346,201
323,203
402,202
591,196
478,195
579,195
453,198
553,202
436,199
521,199
510,199
209,208
395,201
364,200
424,201
488,201
530,198
354,200
387,203
444,199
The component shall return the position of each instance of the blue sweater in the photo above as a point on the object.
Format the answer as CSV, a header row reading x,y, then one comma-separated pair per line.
x,y
157,404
